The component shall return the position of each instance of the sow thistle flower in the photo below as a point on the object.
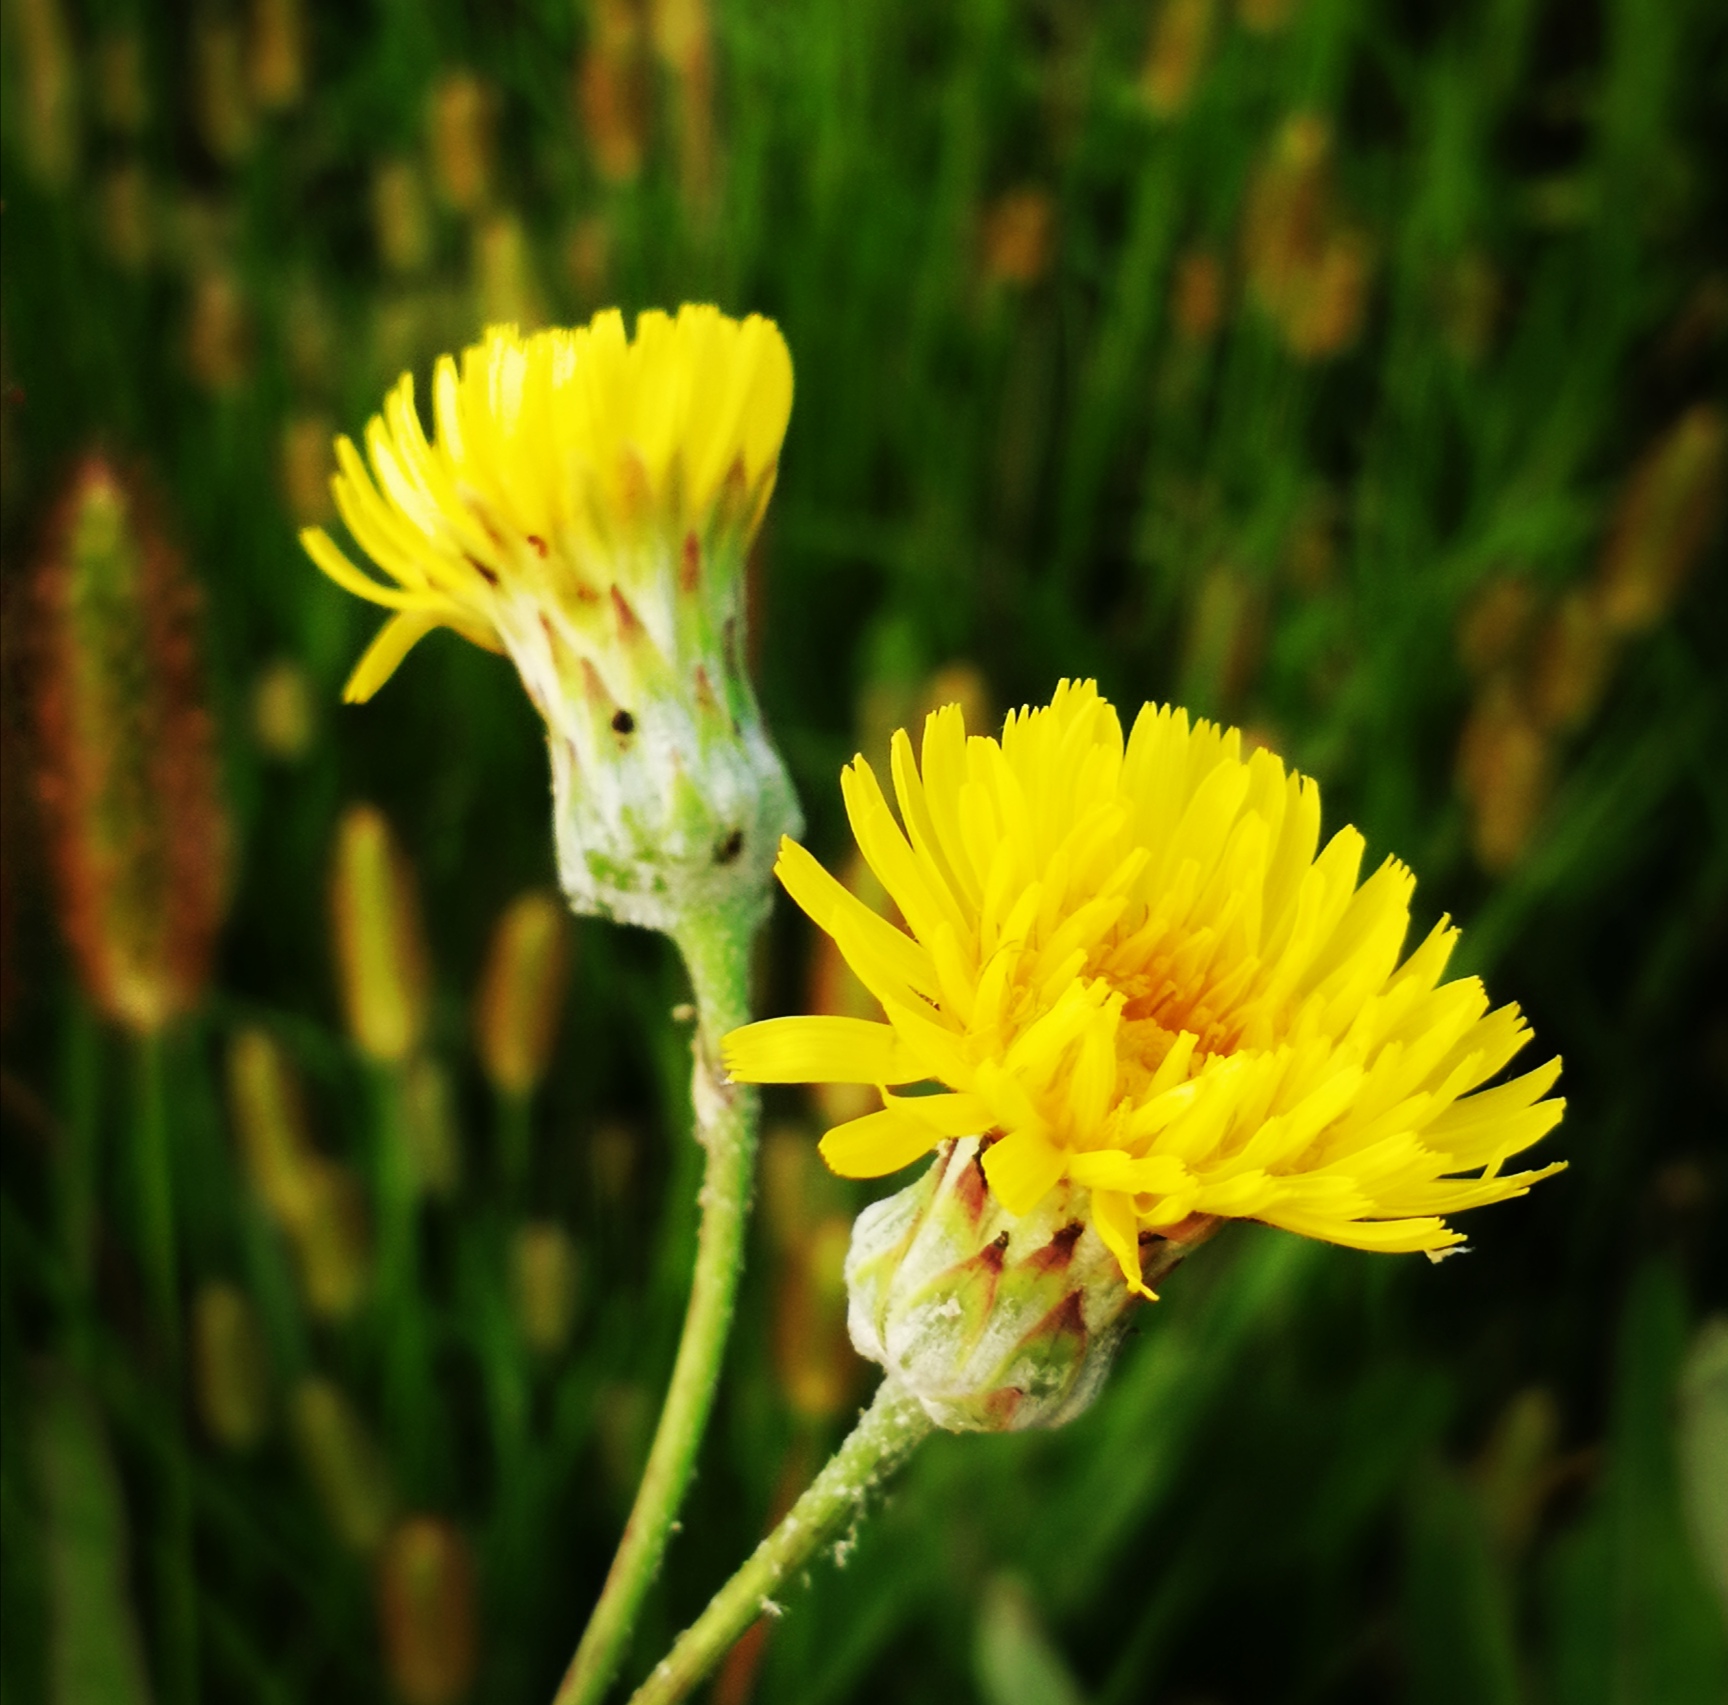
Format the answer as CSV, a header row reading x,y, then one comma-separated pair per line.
x,y
1140,999
586,504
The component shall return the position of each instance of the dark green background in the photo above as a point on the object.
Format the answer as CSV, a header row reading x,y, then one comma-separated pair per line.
x,y
1288,1492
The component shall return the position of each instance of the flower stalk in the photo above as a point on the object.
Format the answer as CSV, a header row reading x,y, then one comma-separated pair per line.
x,y
887,1433
896,1423
716,950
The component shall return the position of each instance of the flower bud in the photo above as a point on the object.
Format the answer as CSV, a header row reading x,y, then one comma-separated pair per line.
x,y
1016,237
125,215
278,53
1197,296
683,38
284,722
1571,663
1664,520
813,1363
46,89
1226,635
380,952
612,1154
1506,773
1308,268
521,991
1495,623
545,1271
330,1242
270,1121
426,1611
221,104
401,221
994,1322
317,1203
348,1473
588,257
121,84
1176,55
429,1123
1264,17
128,775
505,288
612,91
460,113
314,344
232,1376
219,330
623,1420
306,466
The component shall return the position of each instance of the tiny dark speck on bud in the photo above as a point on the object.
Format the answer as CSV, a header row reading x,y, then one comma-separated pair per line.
x,y
729,848
537,543
623,723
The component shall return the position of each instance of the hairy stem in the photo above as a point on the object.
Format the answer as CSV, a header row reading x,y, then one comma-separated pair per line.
x,y
886,1434
717,952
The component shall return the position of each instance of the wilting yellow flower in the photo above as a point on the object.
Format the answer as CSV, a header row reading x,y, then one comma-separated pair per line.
x,y
586,505
1131,973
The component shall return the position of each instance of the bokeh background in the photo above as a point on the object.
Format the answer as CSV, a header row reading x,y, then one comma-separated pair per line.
x,y
1352,370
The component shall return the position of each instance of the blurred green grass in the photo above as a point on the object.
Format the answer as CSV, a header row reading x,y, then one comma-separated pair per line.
x,y
1243,355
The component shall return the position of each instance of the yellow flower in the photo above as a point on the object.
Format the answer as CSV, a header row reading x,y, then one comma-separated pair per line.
x,y
1131,973
564,464
586,504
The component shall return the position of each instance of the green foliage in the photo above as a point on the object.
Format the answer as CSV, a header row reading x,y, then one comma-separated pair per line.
x,y
1264,386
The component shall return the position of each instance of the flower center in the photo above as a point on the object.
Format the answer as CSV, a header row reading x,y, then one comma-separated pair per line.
x,y
1179,982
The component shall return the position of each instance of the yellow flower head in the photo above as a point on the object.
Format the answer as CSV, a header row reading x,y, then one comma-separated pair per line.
x,y
585,504
564,465
1131,970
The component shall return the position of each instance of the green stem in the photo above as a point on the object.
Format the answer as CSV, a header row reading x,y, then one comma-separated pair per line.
x,y
887,1433
717,952
178,1603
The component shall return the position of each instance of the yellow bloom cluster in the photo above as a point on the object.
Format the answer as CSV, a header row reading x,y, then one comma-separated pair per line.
x,y
577,472
1130,965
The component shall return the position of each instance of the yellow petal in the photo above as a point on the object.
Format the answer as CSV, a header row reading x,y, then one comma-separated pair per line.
x,y
877,1144
819,1050
887,960
1113,1169
1021,1168
333,561
946,1115
378,663
1113,1215
1387,1236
